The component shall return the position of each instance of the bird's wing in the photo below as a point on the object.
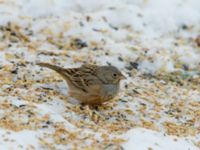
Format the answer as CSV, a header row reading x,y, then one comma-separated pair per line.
x,y
82,77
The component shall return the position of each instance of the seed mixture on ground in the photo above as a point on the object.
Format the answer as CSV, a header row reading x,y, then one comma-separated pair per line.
x,y
161,92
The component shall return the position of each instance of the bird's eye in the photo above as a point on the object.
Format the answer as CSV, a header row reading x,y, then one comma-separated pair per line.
x,y
114,75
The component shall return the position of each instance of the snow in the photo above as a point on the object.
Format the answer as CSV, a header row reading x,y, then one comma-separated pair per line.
x,y
24,140
143,31
143,139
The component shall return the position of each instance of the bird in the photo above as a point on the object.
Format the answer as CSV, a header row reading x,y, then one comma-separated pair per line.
x,y
90,84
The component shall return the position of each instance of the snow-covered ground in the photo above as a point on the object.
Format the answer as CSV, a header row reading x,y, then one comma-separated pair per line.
x,y
151,41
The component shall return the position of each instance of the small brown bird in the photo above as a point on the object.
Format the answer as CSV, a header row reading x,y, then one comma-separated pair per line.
x,y
90,84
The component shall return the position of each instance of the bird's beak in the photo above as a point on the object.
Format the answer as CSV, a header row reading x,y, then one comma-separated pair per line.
x,y
122,77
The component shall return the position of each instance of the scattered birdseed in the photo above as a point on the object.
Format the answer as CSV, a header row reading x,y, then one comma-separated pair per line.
x,y
161,92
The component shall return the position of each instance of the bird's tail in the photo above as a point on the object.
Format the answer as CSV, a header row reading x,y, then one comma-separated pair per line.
x,y
53,67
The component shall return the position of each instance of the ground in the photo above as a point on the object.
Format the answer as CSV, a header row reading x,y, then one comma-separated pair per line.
x,y
152,42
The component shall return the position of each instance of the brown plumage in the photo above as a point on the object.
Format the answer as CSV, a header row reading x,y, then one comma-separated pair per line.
x,y
90,84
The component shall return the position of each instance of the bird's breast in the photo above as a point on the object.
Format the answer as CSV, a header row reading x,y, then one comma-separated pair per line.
x,y
110,89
